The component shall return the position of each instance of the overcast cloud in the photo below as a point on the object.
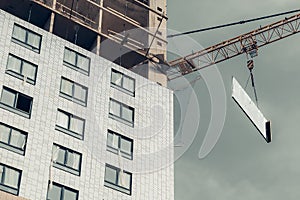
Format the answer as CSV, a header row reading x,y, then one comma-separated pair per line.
x,y
243,166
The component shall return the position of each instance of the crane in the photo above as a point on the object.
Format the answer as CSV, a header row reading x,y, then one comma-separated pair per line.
x,y
247,43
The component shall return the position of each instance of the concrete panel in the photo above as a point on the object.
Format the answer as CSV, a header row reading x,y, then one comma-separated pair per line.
x,y
251,110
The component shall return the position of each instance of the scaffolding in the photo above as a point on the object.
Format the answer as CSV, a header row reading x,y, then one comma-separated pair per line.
x,y
88,23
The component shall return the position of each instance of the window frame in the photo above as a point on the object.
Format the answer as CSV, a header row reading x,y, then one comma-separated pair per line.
x,y
6,188
64,166
72,98
69,131
63,188
14,109
115,185
75,66
120,118
10,147
121,88
116,150
25,44
20,75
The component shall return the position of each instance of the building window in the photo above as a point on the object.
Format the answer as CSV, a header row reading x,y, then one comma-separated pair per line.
x,y
66,159
77,61
61,192
122,82
119,144
10,179
12,139
73,91
159,43
117,179
21,69
70,124
121,112
16,102
26,38
159,9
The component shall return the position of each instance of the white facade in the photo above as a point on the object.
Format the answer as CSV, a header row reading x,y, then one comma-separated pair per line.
x,y
152,130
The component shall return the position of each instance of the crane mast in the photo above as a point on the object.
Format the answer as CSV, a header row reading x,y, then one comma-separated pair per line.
x,y
246,43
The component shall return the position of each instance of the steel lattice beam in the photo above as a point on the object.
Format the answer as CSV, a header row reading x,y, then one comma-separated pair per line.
x,y
234,47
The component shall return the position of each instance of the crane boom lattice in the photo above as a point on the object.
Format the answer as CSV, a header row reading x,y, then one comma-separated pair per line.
x,y
236,46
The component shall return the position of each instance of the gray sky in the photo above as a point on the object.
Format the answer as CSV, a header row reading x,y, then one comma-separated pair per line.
x,y
242,165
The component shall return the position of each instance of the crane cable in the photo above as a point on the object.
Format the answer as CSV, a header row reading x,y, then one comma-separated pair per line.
x,y
233,24
250,66
253,86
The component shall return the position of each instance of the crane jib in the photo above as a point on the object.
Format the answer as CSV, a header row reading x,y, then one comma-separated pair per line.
x,y
235,46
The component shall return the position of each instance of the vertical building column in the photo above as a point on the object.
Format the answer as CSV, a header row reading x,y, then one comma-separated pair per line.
x,y
99,27
52,17
157,47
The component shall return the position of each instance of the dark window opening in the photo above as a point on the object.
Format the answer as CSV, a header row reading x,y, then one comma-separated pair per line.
x,y
24,103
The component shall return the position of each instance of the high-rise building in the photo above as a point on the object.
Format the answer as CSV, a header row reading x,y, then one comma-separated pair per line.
x,y
133,30
84,113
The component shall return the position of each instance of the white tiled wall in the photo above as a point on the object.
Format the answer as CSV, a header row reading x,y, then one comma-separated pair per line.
x,y
152,167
